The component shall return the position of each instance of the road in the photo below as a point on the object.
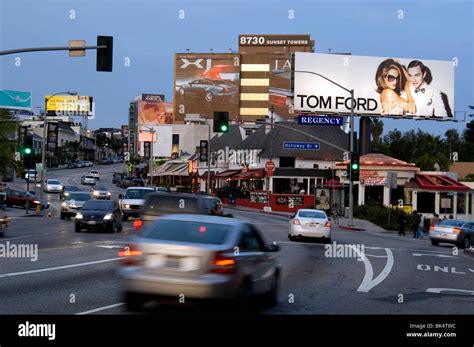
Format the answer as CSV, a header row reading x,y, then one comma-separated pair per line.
x,y
76,273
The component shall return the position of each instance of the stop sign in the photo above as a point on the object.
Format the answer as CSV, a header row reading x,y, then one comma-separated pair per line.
x,y
270,167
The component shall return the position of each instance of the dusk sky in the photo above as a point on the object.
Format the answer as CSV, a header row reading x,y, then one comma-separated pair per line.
x,y
148,33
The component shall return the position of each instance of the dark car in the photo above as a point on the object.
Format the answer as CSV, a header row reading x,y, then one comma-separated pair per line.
x,y
66,190
137,182
106,161
71,165
99,215
117,177
126,182
157,204
208,89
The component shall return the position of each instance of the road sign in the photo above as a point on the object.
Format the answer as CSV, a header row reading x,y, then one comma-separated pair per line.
x,y
270,167
321,120
39,167
15,99
126,156
17,156
301,145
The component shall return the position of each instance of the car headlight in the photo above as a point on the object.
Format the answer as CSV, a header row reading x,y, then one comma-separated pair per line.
x,y
79,216
64,204
36,202
95,193
66,194
126,206
108,216
108,194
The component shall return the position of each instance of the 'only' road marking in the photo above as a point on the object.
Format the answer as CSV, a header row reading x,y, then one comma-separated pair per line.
x,y
59,267
368,281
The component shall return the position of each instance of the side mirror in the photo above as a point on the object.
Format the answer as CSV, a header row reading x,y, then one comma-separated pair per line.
x,y
329,218
120,196
272,248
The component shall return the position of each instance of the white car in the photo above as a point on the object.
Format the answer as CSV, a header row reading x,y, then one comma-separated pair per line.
x,y
73,204
53,186
88,163
31,175
100,192
90,180
310,223
133,201
95,174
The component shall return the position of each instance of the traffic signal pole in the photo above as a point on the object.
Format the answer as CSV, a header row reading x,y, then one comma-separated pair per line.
x,y
351,149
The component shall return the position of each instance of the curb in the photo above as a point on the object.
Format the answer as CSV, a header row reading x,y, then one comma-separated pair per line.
x,y
350,228
260,211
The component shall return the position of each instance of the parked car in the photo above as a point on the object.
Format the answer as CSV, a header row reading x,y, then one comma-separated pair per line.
x,y
126,182
88,180
95,174
137,182
88,163
208,89
73,203
133,201
67,190
195,256
31,175
53,186
106,161
99,215
162,189
71,166
310,223
158,204
454,231
116,160
117,177
79,164
100,192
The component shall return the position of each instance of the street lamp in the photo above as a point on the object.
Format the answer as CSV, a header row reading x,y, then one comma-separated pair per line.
x,y
43,147
351,145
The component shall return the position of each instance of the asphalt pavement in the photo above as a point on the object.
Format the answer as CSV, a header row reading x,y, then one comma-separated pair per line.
x,y
364,272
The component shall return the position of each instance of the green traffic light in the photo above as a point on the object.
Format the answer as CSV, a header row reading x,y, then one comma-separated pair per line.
x,y
223,128
355,166
27,150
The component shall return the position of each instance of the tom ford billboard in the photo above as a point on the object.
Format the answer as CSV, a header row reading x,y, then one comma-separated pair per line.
x,y
382,86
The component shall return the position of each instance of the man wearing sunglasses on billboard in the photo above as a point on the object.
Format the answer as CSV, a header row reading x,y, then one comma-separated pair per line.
x,y
428,99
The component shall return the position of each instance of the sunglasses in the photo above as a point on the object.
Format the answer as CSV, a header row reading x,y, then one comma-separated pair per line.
x,y
391,78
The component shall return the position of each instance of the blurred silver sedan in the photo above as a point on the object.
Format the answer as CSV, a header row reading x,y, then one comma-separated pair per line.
x,y
100,192
200,257
453,231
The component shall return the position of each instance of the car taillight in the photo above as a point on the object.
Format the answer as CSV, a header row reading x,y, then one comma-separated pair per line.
x,y
137,224
223,264
456,230
131,255
296,222
327,225
432,227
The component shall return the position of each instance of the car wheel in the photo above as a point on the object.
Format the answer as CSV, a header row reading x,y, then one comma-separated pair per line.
x,y
63,216
242,301
209,96
292,238
271,298
77,228
434,242
133,301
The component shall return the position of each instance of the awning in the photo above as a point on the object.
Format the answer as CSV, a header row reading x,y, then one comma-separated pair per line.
x,y
437,183
172,169
227,174
253,173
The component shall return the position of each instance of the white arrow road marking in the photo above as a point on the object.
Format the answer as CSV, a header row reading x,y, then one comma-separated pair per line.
x,y
440,290
368,282
100,309
59,267
434,255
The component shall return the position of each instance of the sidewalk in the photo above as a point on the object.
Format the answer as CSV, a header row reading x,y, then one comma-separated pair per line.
x,y
249,209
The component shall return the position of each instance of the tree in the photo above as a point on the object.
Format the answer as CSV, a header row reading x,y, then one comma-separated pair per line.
x,y
429,150
8,129
377,130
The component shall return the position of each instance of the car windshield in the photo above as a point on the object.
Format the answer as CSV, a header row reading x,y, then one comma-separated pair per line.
x,y
98,205
452,223
183,231
101,188
94,172
137,193
312,214
90,177
53,182
71,188
79,196
167,204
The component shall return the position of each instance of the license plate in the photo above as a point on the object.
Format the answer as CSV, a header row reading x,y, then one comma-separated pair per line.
x,y
312,225
92,222
172,262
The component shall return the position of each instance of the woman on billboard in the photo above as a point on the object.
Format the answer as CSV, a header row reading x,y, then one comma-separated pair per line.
x,y
394,88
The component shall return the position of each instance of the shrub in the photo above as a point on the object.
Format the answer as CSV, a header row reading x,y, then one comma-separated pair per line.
x,y
379,216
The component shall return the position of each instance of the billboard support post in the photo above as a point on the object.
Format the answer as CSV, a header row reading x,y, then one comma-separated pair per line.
x,y
208,157
43,147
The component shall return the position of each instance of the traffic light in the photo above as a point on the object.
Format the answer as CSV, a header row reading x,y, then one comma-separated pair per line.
x,y
28,153
105,55
469,136
221,122
354,166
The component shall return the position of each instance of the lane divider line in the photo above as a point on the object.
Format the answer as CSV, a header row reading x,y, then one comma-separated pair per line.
x,y
100,309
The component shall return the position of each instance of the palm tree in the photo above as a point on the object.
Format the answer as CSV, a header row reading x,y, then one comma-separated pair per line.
x,y
429,150
377,129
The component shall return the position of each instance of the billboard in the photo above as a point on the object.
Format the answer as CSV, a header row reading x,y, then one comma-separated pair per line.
x,y
280,96
52,137
155,112
15,99
205,83
392,87
70,104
